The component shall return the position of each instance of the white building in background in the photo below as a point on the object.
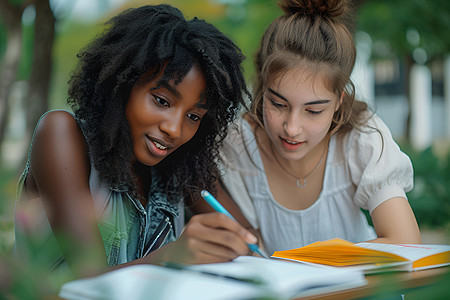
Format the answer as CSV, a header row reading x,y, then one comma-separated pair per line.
x,y
382,85
363,72
446,75
421,135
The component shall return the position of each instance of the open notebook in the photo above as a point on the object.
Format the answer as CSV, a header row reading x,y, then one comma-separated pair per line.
x,y
253,277
371,257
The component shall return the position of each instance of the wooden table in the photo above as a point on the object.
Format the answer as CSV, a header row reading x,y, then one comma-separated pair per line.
x,y
380,286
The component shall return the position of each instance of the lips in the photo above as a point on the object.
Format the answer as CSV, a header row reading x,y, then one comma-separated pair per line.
x,y
157,147
291,145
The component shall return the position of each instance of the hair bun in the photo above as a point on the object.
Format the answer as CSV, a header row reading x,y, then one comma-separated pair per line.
x,y
313,8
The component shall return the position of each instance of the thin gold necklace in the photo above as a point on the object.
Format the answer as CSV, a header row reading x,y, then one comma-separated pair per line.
x,y
298,180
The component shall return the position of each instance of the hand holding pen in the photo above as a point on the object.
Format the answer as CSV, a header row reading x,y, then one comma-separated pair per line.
x,y
219,208
206,238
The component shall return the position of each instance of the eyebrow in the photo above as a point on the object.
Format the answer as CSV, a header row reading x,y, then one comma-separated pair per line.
x,y
170,88
276,94
177,94
200,105
315,102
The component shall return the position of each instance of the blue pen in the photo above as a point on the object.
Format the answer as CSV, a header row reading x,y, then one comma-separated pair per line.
x,y
219,208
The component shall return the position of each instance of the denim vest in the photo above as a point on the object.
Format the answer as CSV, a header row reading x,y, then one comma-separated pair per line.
x,y
128,229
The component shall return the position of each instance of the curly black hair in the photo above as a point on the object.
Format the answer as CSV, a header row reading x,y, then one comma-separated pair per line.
x,y
135,42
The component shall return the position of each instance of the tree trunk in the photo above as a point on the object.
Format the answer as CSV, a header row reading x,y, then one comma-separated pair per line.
x,y
39,82
409,62
12,19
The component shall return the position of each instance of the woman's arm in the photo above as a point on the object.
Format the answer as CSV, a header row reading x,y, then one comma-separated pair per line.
x,y
395,223
60,169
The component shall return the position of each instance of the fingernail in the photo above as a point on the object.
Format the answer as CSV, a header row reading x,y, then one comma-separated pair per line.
x,y
251,239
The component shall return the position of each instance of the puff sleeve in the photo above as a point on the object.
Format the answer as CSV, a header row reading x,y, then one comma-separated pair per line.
x,y
378,168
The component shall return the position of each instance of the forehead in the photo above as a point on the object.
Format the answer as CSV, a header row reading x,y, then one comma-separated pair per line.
x,y
284,65
303,78
192,84
174,81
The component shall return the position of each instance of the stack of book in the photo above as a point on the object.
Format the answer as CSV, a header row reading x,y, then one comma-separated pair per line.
x,y
370,257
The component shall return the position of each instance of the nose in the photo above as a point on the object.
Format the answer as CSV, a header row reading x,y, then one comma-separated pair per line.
x,y
292,126
172,125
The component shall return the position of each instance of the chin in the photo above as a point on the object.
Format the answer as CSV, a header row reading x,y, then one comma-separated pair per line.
x,y
149,162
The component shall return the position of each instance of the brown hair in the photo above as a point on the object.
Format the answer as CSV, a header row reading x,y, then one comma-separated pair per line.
x,y
311,35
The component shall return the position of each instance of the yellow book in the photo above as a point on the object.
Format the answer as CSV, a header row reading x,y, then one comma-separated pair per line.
x,y
341,253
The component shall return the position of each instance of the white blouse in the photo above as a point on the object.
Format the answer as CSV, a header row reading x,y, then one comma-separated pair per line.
x,y
362,171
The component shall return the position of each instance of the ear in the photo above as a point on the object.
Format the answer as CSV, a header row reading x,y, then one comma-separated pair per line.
x,y
340,101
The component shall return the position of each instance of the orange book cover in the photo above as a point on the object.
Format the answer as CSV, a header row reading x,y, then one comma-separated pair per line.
x,y
339,253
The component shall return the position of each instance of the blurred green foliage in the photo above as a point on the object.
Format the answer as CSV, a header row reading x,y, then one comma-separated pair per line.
x,y
439,290
2,39
404,25
27,53
8,181
69,41
245,24
430,197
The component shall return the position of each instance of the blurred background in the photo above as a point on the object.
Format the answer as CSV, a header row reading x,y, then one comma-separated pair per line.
x,y
402,71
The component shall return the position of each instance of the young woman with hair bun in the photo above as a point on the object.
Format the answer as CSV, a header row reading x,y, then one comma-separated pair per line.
x,y
308,156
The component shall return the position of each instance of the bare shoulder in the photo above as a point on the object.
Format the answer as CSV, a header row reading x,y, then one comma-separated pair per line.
x,y
55,121
58,128
59,145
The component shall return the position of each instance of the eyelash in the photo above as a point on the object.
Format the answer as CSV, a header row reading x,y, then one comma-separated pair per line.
x,y
314,112
276,104
165,103
193,116
161,101
279,105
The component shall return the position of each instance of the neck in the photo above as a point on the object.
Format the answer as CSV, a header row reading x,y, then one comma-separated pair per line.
x,y
304,168
144,180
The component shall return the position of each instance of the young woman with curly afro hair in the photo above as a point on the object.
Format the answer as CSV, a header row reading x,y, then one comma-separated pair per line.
x,y
152,99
